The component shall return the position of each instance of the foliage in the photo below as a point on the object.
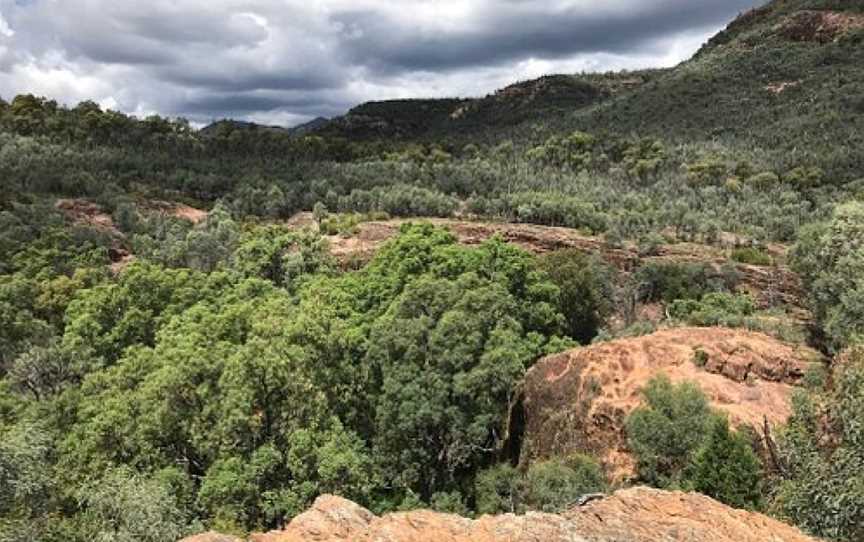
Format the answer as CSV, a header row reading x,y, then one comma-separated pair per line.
x,y
261,385
752,256
679,442
548,486
714,309
726,468
829,257
585,297
673,281
668,430
821,448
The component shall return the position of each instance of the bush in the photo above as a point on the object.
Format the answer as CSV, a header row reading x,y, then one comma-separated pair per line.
x,y
555,485
679,442
716,309
499,489
700,357
666,432
670,281
752,256
549,486
726,468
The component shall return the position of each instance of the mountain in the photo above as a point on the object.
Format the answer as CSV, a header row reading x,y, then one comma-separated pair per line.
x,y
307,127
787,77
226,126
542,98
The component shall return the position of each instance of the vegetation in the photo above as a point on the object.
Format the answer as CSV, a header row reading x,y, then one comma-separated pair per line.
x,y
679,442
821,486
548,486
160,376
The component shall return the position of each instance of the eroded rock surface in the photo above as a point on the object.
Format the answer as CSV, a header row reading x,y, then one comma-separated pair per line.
x,y
578,401
632,515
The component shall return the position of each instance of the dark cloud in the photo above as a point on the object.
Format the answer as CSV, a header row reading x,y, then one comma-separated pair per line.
x,y
297,59
512,34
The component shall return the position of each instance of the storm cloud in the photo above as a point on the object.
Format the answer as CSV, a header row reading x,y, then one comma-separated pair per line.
x,y
285,61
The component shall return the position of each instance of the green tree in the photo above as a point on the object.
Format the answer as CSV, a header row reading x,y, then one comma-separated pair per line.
x,y
667,431
123,506
726,468
585,291
821,450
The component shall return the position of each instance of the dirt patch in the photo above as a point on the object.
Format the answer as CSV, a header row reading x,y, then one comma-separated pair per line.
x,y
631,515
177,210
577,401
820,26
779,88
87,213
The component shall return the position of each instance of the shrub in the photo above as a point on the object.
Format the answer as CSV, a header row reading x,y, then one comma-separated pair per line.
x,y
666,432
726,468
499,489
752,256
555,485
549,486
679,442
715,309
670,281
700,357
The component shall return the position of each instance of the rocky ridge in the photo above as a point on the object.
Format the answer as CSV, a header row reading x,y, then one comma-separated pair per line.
x,y
631,515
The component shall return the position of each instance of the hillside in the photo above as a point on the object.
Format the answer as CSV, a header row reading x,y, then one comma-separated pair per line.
x,y
526,101
785,77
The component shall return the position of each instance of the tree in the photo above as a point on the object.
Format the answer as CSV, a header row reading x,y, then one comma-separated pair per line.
x,y
666,432
213,241
585,291
823,457
726,468
830,259
45,370
123,506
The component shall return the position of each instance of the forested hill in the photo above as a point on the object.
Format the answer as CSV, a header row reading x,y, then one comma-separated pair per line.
x,y
787,77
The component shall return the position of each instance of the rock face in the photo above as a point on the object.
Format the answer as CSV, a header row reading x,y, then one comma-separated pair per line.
x,y
767,285
632,515
578,401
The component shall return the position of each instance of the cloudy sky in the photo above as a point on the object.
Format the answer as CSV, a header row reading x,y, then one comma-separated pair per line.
x,y
286,61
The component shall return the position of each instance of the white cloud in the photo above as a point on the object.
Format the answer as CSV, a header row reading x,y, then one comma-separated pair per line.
x,y
5,29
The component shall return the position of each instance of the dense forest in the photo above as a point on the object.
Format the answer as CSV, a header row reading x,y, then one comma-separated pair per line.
x,y
160,376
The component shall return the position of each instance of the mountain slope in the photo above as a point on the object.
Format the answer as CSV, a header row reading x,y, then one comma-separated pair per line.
x,y
787,77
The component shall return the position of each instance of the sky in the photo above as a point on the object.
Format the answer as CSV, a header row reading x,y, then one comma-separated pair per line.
x,y
285,62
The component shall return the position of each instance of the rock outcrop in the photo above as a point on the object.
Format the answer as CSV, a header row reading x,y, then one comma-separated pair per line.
x,y
631,515
768,285
577,401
